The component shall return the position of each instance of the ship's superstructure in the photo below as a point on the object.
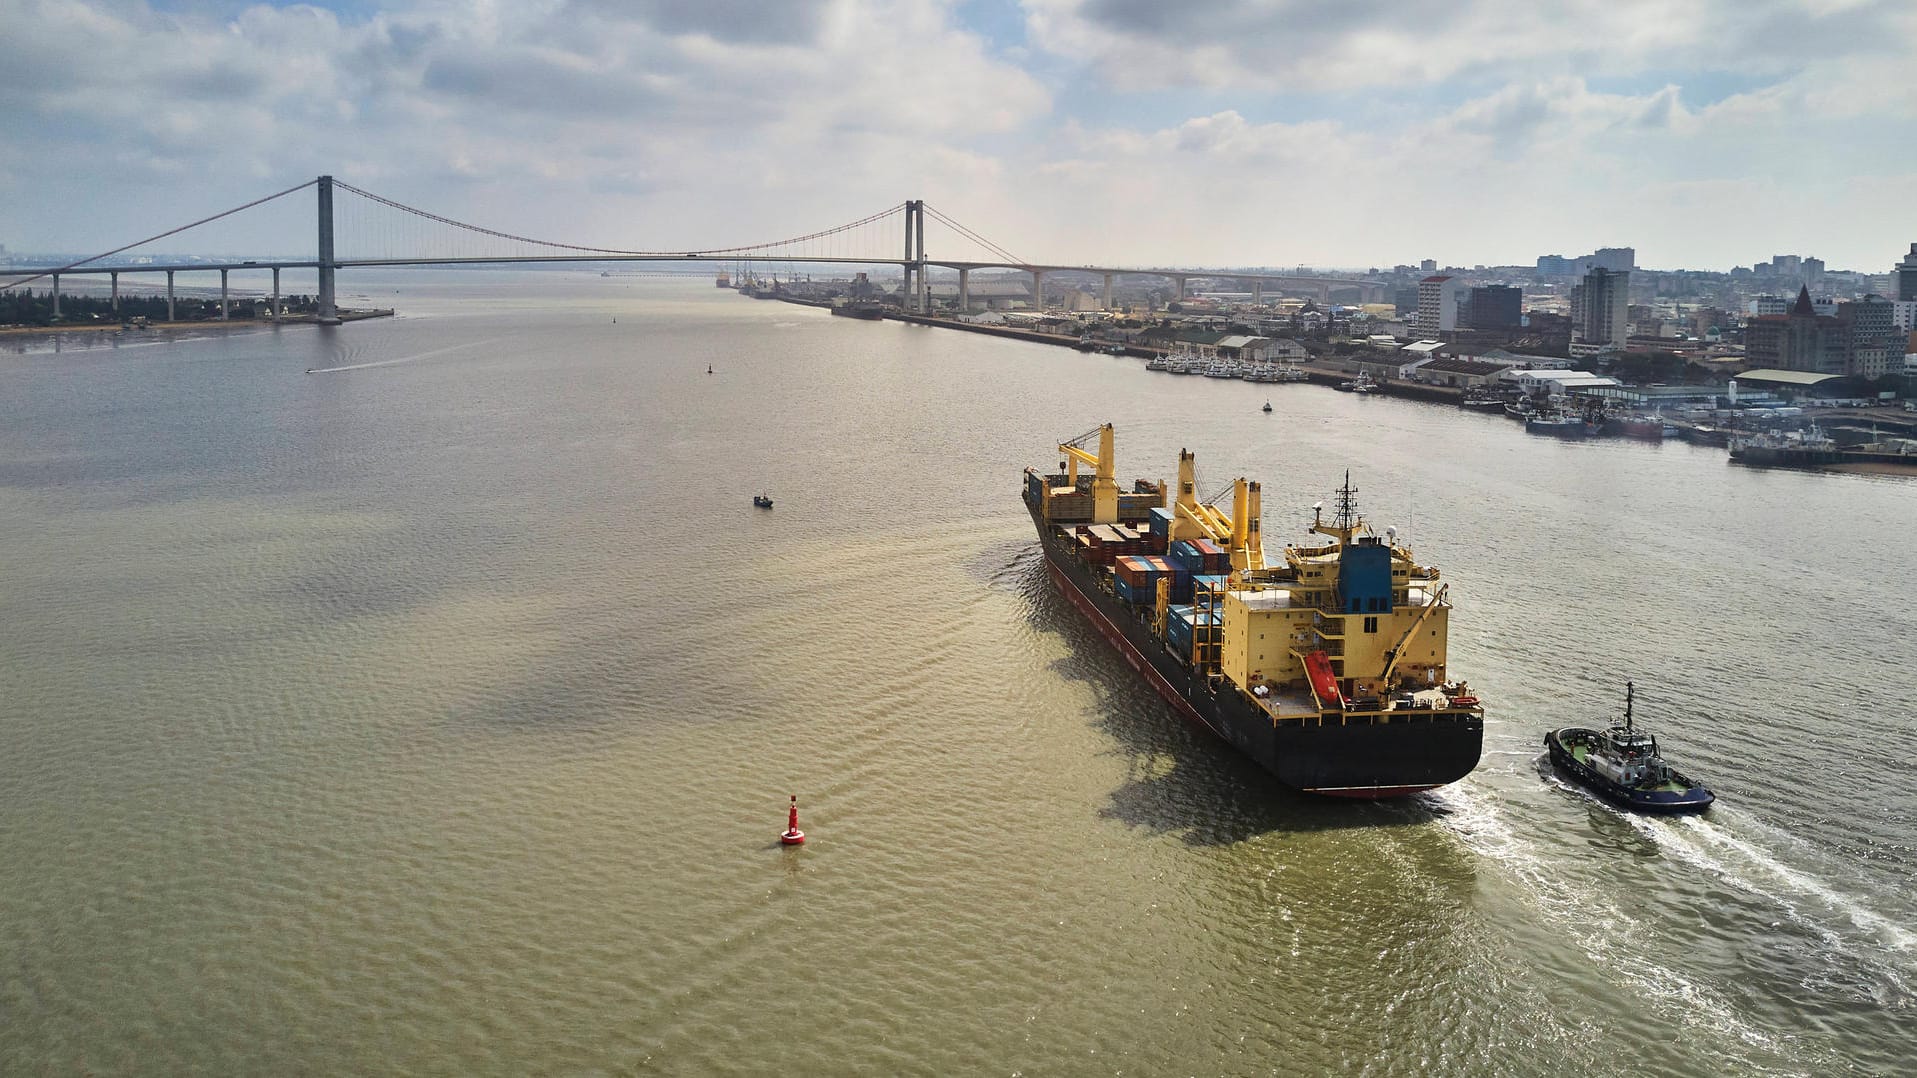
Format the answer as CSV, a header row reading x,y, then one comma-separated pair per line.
x,y
1327,667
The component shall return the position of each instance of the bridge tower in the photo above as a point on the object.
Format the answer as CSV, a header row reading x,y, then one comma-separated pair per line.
x,y
328,315
913,292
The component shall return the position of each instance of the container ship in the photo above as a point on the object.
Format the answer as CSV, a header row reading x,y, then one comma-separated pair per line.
x,y
1327,668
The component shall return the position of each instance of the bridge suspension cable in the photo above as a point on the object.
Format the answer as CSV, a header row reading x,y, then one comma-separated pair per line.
x,y
382,200
163,235
975,237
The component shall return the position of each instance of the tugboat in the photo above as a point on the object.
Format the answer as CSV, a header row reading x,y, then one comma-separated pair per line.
x,y
763,501
1622,764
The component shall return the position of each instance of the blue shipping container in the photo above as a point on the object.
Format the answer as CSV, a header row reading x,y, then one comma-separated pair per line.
x,y
1187,557
1161,519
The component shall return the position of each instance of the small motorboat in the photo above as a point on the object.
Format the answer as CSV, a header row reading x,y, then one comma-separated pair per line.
x,y
708,368
763,501
1623,764
1267,406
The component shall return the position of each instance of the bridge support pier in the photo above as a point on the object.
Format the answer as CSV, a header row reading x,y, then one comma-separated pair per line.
x,y
925,283
1038,291
56,297
1324,295
115,278
276,293
169,295
965,291
1179,283
1258,292
1108,290
328,314
222,295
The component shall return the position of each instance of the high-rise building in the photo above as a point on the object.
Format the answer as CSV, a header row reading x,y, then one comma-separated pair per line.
x,y
1798,340
1428,265
1616,259
1907,276
1870,332
1438,304
1559,266
1495,306
1602,308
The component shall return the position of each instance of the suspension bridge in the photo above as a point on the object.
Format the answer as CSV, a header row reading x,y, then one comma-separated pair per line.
x,y
382,232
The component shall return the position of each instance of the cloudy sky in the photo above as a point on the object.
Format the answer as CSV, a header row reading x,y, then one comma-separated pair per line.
x,y
1705,133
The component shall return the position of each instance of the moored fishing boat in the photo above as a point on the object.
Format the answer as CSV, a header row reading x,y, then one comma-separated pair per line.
x,y
1623,764
1558,426
1327,667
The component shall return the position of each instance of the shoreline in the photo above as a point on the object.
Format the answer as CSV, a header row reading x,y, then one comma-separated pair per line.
x,y
1316,372
67,328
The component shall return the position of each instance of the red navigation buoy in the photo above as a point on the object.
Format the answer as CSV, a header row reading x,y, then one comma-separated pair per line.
x,y
793,836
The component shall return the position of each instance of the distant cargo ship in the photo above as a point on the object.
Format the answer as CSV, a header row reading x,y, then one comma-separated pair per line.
x,y
1328,669
859,308
1811,449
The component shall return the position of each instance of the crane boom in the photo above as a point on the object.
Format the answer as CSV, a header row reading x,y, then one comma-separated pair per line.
x,y
1397,650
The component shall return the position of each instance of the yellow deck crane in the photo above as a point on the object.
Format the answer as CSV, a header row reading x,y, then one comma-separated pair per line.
x,y
1238,532
1104,467
1397,650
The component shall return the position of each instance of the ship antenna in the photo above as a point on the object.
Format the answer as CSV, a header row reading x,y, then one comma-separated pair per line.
x,y
1347,504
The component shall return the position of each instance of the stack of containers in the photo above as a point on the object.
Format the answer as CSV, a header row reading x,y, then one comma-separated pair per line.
x,y
1186,625
1178,630
1185,556
1107,543
1216,559
1159,529
1137,578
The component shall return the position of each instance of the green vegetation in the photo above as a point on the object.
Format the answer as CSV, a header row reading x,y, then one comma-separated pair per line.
x,y
25,307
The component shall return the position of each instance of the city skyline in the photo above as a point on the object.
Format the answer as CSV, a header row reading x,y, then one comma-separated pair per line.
x,y
1085,130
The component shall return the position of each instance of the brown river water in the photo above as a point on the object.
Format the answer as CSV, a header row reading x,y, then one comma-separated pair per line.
x,y
436,713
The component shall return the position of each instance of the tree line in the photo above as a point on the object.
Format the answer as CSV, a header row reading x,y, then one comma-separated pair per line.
x,y
26,307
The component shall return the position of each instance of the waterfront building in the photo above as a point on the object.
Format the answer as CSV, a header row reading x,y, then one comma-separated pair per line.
x,y
1870,331
1461,372
1601,309
1495,306
1438,304
1798,340
1555,382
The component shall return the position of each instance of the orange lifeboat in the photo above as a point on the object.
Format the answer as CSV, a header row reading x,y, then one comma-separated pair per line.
x,y
1323,682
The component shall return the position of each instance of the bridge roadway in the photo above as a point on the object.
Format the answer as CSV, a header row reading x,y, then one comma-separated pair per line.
x,y
1369,291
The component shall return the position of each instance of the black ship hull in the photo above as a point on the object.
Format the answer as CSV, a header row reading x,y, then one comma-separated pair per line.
x,y
1807,457
1357,760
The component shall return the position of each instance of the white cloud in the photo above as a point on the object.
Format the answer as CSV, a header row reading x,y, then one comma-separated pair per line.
x,y
1329,132
1318,45
519,108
